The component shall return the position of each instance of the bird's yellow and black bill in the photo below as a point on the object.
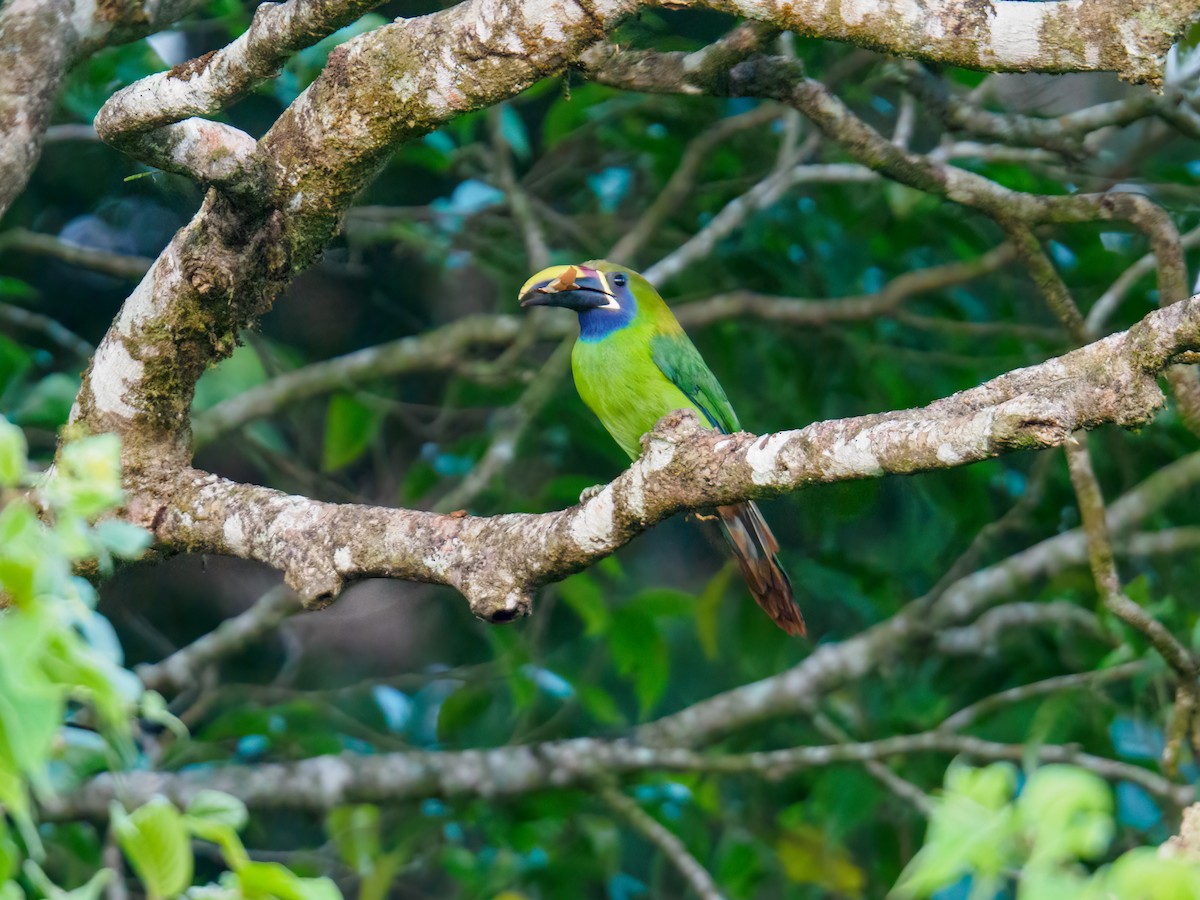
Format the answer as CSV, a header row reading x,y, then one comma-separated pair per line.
x,y
571,287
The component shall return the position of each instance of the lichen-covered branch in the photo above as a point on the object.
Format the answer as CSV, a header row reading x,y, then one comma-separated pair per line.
x,y
39,41
497,562
157,119
207,84
1108,584
1002,36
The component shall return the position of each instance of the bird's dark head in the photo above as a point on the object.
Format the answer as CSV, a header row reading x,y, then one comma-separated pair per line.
x,y
599,291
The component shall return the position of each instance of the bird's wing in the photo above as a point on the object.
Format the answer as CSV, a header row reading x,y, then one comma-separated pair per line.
x,y
678,359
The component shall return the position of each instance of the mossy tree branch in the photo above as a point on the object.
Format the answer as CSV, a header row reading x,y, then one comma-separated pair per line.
x,y
283,197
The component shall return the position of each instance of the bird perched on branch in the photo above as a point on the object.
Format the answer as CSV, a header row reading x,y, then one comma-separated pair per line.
x,y
634,364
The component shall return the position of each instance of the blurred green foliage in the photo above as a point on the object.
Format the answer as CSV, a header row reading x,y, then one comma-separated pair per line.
x,y
68,706
661,625
983,838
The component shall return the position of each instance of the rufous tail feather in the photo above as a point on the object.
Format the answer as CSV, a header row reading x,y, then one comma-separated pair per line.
x,y
755,548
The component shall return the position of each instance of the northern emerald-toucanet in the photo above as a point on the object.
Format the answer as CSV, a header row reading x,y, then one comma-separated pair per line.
x,y
634,364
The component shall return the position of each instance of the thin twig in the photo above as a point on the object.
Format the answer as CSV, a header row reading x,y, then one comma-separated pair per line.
x,y
666,841
968,715
119,265
682,182
511,424
51,328
1110,300
179,669
901,787
1108,585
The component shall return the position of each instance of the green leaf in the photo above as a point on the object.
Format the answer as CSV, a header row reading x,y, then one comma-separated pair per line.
x,y
660,602
13,452
584,595
708,608
462,708
156,842
1132,874
599,704
219,807
87,480
48,404
265,879
123,540
808,857
350,427
90,890
10,855
16,288
639,651
355,833
240,372
223,835
31,704
1068,813
153,708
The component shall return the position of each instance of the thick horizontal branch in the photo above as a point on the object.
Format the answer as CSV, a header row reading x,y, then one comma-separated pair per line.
x,y
210,153
1004,36
498,562
780,78
229,263
324,782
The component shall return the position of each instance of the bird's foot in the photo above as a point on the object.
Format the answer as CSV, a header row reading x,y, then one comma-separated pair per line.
x,y
589,492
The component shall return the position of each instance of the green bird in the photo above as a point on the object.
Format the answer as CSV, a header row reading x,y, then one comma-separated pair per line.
x,y
634,364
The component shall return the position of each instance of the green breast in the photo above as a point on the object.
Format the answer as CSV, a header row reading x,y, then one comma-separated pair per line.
x,y
620,383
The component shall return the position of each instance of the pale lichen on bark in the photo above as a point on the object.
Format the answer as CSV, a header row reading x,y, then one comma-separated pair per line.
x,y
277,202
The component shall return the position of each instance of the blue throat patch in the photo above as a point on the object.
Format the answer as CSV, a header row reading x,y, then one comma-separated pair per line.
x,y
597,324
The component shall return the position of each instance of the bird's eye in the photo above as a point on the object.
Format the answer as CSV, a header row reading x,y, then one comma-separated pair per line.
x,y
619,279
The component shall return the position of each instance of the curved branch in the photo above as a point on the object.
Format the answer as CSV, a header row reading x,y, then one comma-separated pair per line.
x,y
157,121
39,41
180,669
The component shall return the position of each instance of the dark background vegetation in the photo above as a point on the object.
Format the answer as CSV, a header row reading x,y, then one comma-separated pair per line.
x,y
666,622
